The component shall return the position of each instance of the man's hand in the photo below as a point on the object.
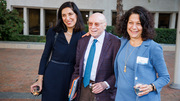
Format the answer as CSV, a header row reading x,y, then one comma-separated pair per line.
x,y
98,87
87,34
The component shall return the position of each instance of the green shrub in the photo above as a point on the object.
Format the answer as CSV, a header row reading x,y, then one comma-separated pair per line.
x,y
86,28
110,29
32,38
165,35
10,23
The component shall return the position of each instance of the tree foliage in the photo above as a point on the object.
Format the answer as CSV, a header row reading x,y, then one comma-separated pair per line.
x,y
11,24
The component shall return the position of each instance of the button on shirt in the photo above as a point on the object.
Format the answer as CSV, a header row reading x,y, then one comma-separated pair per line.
x,y
99,45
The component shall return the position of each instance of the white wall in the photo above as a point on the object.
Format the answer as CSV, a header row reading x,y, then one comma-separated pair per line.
x,y
153,5
107,6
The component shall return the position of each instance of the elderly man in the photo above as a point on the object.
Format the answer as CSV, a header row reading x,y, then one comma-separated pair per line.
x,y
95,62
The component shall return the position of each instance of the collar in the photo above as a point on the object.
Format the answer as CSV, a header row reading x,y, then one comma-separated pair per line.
x,y
100,38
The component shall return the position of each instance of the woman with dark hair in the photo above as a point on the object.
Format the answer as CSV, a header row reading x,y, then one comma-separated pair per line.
x,y
140,68
61,42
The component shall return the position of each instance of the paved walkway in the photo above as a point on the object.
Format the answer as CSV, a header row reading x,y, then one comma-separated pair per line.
x,y
19,67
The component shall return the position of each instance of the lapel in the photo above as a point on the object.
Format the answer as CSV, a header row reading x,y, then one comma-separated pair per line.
x,y
106,44
123,43
84,44
141,51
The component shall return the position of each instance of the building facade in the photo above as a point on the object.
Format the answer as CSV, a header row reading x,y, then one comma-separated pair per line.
x,y
40,15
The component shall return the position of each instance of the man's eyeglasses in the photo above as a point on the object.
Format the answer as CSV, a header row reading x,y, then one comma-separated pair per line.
x,y
95,24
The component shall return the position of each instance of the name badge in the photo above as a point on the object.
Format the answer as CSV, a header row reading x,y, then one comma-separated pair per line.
x,y
142,60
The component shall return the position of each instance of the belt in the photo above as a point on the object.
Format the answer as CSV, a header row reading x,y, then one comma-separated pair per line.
x,y
64,63
90,82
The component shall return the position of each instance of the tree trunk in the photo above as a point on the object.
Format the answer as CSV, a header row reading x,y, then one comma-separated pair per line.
x,y
120,11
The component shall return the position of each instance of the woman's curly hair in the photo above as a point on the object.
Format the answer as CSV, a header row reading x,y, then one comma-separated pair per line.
x,y
146,19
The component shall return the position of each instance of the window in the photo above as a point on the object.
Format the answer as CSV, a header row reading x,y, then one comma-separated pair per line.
x,y
164,20
114,14
97,12
85,16
176,20
50,19
34,22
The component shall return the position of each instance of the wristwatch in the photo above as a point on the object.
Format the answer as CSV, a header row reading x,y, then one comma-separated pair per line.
x,y
153,87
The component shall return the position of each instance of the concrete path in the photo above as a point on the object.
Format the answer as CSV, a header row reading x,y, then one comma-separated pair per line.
x,y
19,68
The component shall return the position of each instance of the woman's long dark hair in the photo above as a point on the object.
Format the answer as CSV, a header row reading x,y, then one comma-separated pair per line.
x,y
147,23
79,26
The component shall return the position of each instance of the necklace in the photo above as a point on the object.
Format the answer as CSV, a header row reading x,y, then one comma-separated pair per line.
x,y
126,58
69,33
